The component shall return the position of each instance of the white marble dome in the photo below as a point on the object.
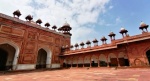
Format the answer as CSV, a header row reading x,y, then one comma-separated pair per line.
x,y
142,24
66,24
122,29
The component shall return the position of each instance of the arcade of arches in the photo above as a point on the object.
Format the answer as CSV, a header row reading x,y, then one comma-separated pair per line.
x,y
20,42
97,60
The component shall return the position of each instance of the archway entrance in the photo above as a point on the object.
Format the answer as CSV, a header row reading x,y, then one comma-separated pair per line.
x,y
3,59
7,53
41,59
112,59
94,61
102,60
87,61
74,63
80,62
123,59
148,55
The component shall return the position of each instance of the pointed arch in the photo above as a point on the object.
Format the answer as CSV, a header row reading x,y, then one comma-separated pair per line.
x,y
123,59
94,61
148,56
102,60
49,56
75,62
87,61
16,56
112,59
80,61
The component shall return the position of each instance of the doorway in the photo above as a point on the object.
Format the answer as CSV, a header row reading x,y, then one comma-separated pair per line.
x,y
7,53
148,55
3,59
41,59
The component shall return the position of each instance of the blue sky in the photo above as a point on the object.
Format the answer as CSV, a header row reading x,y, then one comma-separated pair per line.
x,y
89,19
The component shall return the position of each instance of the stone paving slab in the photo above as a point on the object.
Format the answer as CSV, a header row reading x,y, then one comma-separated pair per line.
x,y
80,74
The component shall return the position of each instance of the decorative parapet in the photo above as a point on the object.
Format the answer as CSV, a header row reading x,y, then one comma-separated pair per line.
x,y
111,45
28,23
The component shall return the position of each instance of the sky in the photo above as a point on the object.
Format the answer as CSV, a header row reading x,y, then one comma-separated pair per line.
x,y
89,19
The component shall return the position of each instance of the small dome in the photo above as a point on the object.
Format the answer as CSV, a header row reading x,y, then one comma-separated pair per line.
x,y
122,29
29,17
71,46
54,27
111,34
88,42
76,45
66,24
82,44
60,29
39,21
47,24
103,38
95,41
66,27
17,13
142,24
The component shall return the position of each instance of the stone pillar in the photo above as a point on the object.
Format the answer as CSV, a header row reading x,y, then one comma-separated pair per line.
x,y
71,63
118,62
90,62
146,60
83,62
107,61
77,62
66,64
98,63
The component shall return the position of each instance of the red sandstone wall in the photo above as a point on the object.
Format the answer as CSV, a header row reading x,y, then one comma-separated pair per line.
x,y
137,52
30,40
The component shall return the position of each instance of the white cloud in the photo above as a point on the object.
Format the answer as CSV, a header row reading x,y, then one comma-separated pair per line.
x,y
118,20
110,7
77,12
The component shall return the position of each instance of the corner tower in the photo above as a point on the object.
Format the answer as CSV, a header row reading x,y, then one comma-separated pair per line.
x,y
65,29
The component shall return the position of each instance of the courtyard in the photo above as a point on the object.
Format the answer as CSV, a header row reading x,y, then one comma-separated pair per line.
x,y
80,74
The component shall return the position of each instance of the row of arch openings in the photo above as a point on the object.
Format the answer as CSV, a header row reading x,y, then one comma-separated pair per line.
x,y
97,61
9,54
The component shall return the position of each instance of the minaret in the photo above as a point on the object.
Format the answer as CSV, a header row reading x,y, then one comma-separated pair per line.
x,y
66,29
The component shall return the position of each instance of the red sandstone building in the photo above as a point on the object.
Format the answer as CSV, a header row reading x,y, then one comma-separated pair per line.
x,y
133,51
26,45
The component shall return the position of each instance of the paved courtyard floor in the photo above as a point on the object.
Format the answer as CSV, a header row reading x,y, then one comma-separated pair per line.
x,y
80,74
